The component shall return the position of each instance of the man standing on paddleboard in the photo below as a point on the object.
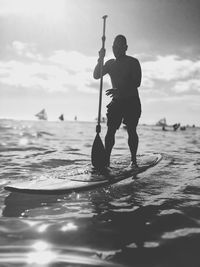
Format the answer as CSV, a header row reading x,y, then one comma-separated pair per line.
x,y
125,74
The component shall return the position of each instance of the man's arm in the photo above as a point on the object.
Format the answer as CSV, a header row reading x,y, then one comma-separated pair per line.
x,y
138,74
97,69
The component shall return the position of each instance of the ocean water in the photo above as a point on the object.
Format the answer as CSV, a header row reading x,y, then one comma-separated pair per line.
x,y
150,221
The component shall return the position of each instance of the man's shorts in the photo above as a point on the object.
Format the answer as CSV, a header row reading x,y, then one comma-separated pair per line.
x,y
127,111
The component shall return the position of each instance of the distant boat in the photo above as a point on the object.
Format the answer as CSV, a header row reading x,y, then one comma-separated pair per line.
x,y
165,127
42,115
162,122
61,117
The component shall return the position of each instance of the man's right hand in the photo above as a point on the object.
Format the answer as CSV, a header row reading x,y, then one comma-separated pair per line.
x,y
102,53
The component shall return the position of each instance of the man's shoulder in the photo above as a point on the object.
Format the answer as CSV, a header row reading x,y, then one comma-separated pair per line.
x,y
132,59
110,61
134,62
109,64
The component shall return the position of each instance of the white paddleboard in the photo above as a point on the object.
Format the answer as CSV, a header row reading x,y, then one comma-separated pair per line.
x,y
86,178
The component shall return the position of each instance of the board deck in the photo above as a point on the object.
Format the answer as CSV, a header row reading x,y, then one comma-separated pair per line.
x,y
86,178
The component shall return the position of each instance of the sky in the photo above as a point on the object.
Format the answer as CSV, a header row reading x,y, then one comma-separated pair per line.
x,y
49,48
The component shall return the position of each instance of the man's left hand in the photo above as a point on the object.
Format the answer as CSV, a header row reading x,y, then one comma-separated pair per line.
x,y
113,92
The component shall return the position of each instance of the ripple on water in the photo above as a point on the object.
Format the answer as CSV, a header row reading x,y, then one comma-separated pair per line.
x,y
149,221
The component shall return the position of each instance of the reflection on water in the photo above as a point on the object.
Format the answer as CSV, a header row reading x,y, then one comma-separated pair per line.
x,y
41,254
69,227
18,205
149,221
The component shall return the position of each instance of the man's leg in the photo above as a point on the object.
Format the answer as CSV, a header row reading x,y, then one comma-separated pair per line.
x,y
133,141
109,142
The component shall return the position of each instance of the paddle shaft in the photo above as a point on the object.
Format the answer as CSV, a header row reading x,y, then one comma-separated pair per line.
x,y
98,127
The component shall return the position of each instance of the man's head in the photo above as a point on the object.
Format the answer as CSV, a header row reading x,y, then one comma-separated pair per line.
x,y
119,46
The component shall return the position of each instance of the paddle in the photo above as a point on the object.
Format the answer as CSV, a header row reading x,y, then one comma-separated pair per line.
x,y
98,151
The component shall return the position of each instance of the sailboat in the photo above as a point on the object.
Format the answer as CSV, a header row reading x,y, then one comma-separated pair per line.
x,y
61,117
42,115
166,127
162,122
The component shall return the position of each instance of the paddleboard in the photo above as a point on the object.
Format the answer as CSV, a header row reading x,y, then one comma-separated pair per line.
x,y
86,178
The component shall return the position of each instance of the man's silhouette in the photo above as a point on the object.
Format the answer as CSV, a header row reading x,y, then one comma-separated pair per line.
x,y
125,74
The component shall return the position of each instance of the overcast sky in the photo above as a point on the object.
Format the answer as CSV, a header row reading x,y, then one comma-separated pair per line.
x,y
48,49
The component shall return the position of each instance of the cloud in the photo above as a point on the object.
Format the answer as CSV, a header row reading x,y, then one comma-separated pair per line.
x,y
34,76
181,75
73,60
192,85
26,50
65,70
60,71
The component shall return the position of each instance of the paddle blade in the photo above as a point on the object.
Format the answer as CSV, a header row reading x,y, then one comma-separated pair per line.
x,y
98,153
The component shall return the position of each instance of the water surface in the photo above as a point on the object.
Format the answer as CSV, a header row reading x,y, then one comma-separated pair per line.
x,y
149,221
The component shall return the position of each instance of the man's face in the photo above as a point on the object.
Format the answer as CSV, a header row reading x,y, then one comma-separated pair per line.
x,y
119,48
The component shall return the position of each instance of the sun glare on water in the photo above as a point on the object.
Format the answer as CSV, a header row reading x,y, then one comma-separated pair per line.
x,y
42,254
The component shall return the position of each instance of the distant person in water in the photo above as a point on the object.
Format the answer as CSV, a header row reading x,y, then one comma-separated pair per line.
x,y
176,126
125,74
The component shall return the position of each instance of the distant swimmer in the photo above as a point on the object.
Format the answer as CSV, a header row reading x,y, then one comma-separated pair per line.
x,y
125,74
182,128
176,126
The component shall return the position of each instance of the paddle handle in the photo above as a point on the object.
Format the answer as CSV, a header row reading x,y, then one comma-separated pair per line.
x,y
98,127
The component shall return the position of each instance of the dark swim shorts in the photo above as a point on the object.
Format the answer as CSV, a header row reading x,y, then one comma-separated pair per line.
x,y
126,110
